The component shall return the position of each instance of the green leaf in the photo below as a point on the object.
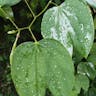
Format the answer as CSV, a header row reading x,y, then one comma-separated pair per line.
x,y
81,81
70,26
92,59
8,11
92,3
56,25
87,68
9,2
93,50
37,66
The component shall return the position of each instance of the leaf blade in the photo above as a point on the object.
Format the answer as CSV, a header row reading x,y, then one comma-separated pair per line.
x,y
39,61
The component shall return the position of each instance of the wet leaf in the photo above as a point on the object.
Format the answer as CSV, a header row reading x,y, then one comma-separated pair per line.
x,y
37,66
87,68
9,2
67,25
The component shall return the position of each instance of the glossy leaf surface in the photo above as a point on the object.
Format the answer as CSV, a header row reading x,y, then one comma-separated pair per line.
x,y
36,67
67,25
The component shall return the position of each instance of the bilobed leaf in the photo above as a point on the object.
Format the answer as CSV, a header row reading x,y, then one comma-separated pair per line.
x,y
37,66
87,68
70,26
8,11
9,2
56,25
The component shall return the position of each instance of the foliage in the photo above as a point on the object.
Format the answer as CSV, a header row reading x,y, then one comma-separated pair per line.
x,y
63,63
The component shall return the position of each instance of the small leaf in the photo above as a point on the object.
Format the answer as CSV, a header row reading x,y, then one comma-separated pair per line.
x,y
67,25
87,68
92,3
8,11
9,2
92,59
81,81
93,50
36,67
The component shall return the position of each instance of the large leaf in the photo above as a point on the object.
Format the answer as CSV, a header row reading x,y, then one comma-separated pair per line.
x,y
70,26
8,11
9,2
37,66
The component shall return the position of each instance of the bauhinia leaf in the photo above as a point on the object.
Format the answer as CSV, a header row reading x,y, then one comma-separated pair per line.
x,y
9,2
37,66
70,26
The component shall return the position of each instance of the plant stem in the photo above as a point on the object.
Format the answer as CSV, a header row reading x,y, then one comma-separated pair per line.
x,y
54,3
32,22
32,34
30,8
44,8
14,46
23,28
9,18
